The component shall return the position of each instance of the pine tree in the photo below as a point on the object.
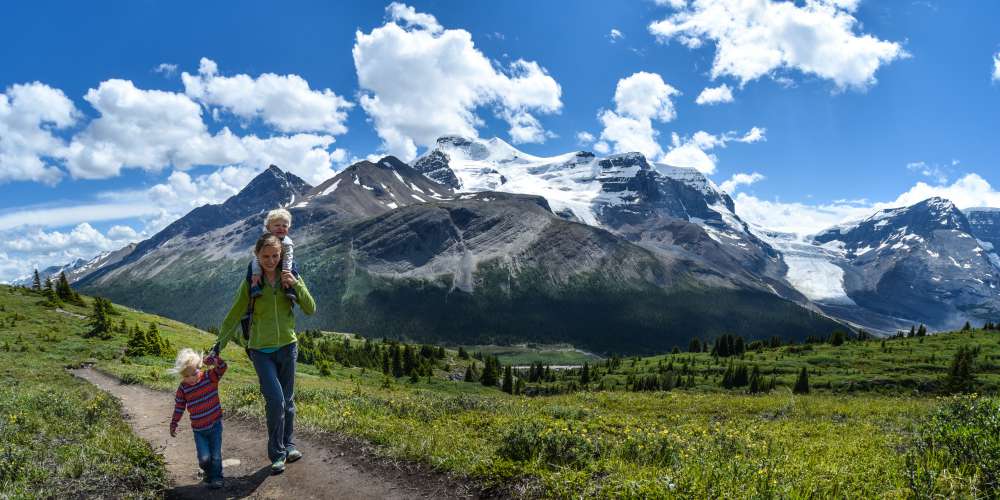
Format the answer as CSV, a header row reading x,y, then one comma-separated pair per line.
x,y
757,384
694,345
675,350
837,338
913,331
470,375
462,353
63,291
508,381
802,383
922,331
386,368
36,283
967,327
585,375
490,372
49,293
397,361
961,374
100,323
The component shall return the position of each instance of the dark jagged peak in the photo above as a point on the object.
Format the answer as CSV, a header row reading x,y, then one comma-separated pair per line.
x,y
272,188
434,165
920,220
366,189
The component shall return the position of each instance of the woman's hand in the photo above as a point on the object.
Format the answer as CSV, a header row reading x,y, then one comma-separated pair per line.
x,y
288,279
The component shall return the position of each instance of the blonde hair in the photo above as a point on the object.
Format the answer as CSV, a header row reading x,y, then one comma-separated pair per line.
x,y
278,214
187,360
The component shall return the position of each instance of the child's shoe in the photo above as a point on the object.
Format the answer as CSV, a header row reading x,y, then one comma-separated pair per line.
x,y
217,484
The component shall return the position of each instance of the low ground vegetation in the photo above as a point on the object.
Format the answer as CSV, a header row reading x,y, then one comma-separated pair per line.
x,y
820,419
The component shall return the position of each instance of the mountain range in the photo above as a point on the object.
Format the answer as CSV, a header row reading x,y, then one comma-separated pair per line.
x,y
477,241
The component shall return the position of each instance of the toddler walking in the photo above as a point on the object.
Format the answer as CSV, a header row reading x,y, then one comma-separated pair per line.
x,y
198,392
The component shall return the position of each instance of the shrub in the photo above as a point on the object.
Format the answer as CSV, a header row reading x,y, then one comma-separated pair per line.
x,y
957,449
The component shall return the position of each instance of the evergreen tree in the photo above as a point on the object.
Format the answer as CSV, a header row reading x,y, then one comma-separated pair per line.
x,y
470,374
757,384
386,363
462,353
967,327
63,291
508,381
49,293
36,283
961,374
100,324
802,383
694,345
922,331
397,361
675,350
837,338
913,331
490,372
519,386
585,374
409,360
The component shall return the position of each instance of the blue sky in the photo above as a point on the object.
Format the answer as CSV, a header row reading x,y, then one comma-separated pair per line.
x,y
838,107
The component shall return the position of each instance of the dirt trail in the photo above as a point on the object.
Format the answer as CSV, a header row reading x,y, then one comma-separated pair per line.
x,y
325,471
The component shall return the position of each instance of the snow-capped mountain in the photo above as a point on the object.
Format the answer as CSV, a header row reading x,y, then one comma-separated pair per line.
x,y
389,251
919,263
672,210
985,224
79,268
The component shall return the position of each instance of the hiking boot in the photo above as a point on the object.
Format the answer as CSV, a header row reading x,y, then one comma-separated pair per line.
x,y
215,485
293,455
278,466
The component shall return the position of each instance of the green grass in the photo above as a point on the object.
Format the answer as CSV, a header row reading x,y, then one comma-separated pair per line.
x,y
525,354
875,438
59,436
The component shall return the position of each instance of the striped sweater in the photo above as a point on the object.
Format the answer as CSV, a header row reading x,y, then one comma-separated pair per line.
x,y
201,399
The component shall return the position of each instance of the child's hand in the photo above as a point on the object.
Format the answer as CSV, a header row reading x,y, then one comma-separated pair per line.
x,y
211,360
255,280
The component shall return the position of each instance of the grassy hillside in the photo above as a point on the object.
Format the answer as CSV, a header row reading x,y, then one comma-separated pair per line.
x,y
881,440
59,436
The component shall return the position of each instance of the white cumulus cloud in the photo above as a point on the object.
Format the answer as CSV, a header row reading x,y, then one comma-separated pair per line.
x,y
733,183
29,151
996,67
754,38
420,81
715,95
615,35
971,190
639,99
285,102
692,152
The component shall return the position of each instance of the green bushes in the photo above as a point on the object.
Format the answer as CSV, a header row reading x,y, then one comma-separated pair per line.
x,y
957,451
553,445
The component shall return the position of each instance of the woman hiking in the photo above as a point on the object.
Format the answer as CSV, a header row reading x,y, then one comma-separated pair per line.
x,y
272,345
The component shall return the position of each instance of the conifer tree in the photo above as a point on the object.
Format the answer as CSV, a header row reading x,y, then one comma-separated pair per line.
x,y
50,293
913,331
100,323
63,291
961,376
694,345
585,374
397,361
922,331
490,374
802,383
36,283
508,381
470,375
967,327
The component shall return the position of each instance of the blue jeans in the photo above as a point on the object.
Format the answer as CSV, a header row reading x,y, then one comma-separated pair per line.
x,y
276,375
208,442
